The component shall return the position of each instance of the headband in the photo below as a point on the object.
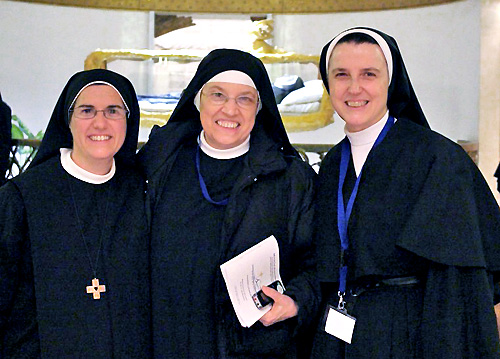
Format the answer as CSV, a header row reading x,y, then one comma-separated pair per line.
x,y
230,76
379,39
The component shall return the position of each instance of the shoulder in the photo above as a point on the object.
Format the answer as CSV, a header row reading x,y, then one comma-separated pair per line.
x,y
45,171
129,169
11,200
428,145
301,178
163,143
332,159
431,155
412,132
299,174
7,191
299,168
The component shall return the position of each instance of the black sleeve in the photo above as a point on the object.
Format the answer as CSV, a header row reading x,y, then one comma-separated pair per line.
x,y
5,139
497,175
304,287
18,324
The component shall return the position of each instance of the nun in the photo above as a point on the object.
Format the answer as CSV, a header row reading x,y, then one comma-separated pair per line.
x,y
497,175
223,176
407,230
74,235
5,139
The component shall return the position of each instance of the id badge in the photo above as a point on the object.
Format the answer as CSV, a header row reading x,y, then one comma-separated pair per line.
x,y
339,324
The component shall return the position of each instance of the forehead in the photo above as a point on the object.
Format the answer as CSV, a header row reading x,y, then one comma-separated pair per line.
x,y
230,87
352,55
99,94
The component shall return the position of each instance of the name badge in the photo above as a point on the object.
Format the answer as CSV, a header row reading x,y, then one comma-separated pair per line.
x,y
339,324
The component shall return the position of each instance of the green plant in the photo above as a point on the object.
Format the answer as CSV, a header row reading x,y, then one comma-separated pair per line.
x,y
21,131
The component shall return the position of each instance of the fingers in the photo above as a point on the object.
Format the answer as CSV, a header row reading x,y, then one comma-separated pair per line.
x,y
271,293
283,307
267,319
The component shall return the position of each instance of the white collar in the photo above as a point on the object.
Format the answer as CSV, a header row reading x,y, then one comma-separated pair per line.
x,y
76,171
223,154
368,135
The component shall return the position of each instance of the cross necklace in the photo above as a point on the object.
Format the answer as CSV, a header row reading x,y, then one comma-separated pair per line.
x,y
95,288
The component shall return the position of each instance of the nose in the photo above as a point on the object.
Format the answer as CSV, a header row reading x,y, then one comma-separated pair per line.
x,y
99,119
354,86
230,107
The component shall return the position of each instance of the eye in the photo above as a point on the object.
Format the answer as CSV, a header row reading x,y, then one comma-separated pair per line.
x,y
370,74
245,100
85,112
340,74
217,95
112,110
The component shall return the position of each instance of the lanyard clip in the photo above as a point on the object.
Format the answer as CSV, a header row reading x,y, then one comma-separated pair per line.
x,y
341,305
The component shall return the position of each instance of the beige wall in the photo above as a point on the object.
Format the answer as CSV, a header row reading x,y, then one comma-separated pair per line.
x,y
441,51
489,99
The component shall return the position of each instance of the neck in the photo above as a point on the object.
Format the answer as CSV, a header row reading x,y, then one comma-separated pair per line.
x,y
368,134
223,154
99,167
362,142
353,129
94,176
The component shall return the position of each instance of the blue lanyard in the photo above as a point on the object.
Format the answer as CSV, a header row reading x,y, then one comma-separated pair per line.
x,y
203,186
343,213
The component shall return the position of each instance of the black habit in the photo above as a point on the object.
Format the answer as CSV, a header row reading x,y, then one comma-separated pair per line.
x,y
497,175
270,192
422,209
46,265
5,138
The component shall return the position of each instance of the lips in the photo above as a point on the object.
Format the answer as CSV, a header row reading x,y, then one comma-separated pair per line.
x,y
356,103
100,138
227,124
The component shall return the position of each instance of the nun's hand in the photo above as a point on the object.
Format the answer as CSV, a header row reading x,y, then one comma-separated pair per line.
x,y
283,307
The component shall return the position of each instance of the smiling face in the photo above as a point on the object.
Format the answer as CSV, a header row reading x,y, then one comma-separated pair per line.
x,y
227,124
96,140
359,84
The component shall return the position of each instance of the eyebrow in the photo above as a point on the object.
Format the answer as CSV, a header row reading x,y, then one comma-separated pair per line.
x,y
218,88
110,106
374,69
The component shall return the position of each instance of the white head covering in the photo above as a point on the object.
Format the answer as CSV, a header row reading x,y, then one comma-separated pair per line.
x,y
379,39
230,76
98,83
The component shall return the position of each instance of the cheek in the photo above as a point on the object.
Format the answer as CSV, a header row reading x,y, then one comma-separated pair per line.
x,y
383,92
122,130
74,129
335,96
336,88
203,118
331,85
250,121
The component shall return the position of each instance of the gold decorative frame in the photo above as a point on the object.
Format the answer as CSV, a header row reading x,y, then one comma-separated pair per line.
x,y
246,7
293,123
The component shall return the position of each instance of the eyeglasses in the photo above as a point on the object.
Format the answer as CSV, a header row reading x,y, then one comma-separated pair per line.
x,y
243,101
89,112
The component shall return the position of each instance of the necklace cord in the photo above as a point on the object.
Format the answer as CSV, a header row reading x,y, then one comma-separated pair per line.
x,y
101,237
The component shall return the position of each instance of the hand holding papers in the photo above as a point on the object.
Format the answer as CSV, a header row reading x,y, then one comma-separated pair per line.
x,y
245,275
261,300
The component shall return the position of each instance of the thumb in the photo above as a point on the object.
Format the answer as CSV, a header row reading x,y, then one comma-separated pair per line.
x,y
270,292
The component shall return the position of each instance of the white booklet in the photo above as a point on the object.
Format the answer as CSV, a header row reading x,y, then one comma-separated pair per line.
x,y
245,275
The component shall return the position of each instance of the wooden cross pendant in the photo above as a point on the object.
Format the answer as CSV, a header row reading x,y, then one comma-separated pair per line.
x,y
96,289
